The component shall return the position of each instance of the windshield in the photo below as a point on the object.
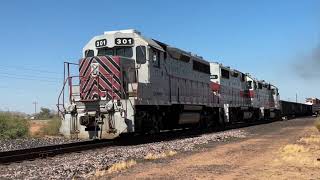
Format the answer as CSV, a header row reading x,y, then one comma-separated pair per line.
x,y
116,51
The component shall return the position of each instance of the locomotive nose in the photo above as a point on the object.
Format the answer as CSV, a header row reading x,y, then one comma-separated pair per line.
x,y
100,78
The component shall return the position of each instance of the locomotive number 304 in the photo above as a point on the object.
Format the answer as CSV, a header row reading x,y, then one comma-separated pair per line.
x,y
124,41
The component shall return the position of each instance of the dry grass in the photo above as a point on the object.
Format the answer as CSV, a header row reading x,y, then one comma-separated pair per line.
x,y
52,128
151,156
120,166
41,128
317,123
36,127
314,139
298,155
293,149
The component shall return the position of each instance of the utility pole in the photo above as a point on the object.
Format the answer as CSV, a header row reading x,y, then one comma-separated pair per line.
x,y
296,97
35,107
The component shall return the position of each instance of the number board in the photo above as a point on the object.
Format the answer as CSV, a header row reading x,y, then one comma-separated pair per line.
x,y
101,43
124,41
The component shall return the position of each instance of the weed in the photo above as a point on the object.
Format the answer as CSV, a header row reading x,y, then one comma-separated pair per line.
x,y
317,123
151,156
52,127
12,126
116,167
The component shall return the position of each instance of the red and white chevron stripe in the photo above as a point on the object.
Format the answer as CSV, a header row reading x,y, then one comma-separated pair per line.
x,y
106,83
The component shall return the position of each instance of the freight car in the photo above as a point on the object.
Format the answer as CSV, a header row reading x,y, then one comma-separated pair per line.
x,y
127,83
316,109
293,109
315,102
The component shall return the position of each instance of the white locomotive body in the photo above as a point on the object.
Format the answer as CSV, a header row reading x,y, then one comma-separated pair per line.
x,y
129,83
243,97
232,90
132,84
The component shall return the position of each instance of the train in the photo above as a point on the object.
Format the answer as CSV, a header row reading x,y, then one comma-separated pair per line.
x,y
315,102
294,109
126,83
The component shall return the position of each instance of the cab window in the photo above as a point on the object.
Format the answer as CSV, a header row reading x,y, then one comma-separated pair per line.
x,y
89,53
255,84
243,77
225,73
250,84
117,51
155,57
141,54
125,52
105,51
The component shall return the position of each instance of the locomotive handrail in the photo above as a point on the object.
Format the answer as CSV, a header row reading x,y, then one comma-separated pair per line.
x,y
59,97
127,96
66,79
62,93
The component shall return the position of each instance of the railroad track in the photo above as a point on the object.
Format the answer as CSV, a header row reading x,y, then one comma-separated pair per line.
x,y
19,155
49,151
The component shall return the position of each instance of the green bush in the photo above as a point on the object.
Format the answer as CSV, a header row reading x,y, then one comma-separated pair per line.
x,y
52,128
12,126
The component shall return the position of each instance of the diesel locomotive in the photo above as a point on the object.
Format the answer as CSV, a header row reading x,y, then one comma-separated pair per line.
x,y
127,83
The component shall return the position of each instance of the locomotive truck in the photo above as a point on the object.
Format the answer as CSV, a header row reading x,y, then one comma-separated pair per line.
x,y
127,83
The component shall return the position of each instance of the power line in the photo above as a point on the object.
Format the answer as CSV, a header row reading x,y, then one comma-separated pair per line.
x,y
29,76
30,79
26,89
34,74
40,69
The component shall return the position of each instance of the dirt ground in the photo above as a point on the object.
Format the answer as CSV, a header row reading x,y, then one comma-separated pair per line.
x,y
279,150
36,126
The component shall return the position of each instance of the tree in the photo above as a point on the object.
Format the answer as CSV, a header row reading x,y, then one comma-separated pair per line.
x,y
45,113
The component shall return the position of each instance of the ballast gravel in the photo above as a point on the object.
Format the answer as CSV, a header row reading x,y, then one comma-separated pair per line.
x,y
15,144
84,165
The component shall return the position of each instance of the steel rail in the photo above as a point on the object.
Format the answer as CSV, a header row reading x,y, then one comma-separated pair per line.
x,y
51,150
7,157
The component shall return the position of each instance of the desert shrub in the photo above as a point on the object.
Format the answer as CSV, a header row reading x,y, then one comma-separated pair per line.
x,y
46,113
12,126
121,166
52,127
151,156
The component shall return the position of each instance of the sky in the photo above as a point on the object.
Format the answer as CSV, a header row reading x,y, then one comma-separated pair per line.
x,y
278,41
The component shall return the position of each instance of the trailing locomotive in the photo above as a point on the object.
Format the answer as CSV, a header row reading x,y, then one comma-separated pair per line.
x,y
243,97
127,83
